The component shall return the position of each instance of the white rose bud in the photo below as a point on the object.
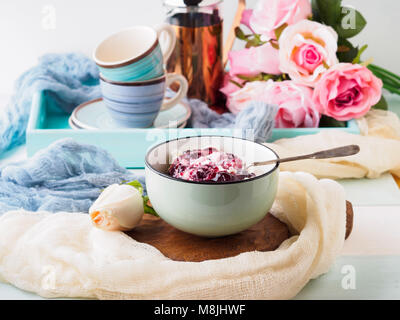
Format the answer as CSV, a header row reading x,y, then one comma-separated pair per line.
x,y
119,207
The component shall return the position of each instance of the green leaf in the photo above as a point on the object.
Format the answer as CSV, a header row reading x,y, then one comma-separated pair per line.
x,y
391,88
347,52
236,83
240,34
357,59
384,71
266,77
275,45
279,31
255,41
148,208
350,24
328,122
137,185
146,203
382,104
258,77
315,11
257,37
327,11
391,81
252,43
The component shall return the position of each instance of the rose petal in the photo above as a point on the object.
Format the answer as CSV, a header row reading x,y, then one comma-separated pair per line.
x,y
297,38
355,85
295,101
246,15
253,61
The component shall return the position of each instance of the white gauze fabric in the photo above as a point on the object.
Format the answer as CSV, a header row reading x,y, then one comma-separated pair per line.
x,y
377,155
379,142
380,123
63,255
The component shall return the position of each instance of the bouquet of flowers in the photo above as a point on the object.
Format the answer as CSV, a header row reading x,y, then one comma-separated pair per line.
x,y
299,57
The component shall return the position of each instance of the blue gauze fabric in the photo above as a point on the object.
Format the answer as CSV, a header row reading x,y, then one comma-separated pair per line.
x,y
70,80
258,119
66,176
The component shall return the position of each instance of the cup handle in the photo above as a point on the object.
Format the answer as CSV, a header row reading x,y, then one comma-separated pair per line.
x,y
183,89
170,44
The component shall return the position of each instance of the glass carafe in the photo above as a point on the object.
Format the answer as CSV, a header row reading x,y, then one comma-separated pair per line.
x,y
199,54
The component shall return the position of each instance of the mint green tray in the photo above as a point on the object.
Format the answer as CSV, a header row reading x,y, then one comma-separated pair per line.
x,y
47,123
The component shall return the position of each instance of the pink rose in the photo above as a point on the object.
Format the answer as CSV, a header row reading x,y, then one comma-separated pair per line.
x,y
254,60
269,15
228,86
307,50
347,91
240,99
296,106
246,15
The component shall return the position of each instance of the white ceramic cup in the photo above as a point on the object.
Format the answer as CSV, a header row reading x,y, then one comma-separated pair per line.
x,y
135,54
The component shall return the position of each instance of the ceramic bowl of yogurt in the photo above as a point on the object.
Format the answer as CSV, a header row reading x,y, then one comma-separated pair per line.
x,y
200,184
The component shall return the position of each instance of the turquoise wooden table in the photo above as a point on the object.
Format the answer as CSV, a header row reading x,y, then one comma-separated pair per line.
x,y
369,267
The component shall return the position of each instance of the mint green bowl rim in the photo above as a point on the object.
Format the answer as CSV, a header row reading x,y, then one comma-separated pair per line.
x,y
147,164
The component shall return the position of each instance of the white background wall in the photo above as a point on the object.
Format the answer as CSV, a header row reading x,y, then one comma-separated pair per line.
x,y
26,32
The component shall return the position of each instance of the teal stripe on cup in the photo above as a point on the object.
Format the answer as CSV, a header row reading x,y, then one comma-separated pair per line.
x,y
135,54
148,68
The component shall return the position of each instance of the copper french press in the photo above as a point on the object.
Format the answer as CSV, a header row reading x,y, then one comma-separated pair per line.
x,y
199,54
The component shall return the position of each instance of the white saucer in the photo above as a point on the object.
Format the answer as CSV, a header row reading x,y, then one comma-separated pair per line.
x,y
76,127
93,115
72,124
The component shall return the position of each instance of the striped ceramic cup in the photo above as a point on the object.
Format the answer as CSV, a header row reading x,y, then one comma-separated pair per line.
x,y
134,54
137,104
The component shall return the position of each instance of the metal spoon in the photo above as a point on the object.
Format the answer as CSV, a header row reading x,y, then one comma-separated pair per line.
x,y
326,154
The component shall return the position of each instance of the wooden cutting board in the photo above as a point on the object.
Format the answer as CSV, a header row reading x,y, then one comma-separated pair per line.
x,y
267,235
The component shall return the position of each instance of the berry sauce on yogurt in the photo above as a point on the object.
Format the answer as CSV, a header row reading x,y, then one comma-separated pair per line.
x,y
209,165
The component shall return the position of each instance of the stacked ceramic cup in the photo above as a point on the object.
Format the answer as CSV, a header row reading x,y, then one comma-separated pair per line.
x,y
132,75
